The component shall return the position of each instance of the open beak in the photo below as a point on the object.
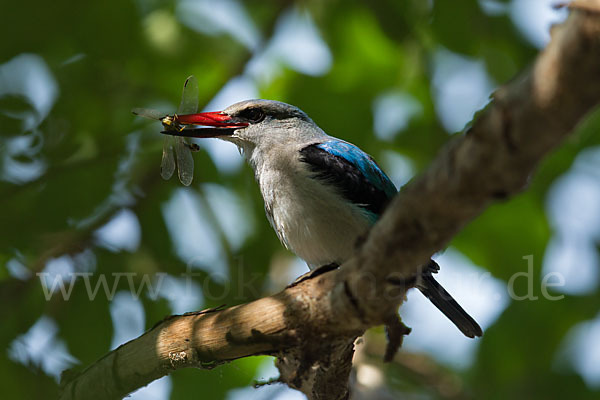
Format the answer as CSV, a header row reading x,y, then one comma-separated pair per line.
x,y
209,124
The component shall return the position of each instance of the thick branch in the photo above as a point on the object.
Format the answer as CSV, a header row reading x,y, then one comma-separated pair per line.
x,y
301,315
310,324
494,159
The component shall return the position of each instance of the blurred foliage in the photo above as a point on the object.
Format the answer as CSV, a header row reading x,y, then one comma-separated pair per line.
x,y
107,57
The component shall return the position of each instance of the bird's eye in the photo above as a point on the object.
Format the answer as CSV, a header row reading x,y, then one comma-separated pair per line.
x,y
253,114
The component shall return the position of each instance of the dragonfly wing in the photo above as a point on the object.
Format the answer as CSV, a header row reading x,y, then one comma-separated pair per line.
x,y
189,96
188,105
149,113
167,164
185,161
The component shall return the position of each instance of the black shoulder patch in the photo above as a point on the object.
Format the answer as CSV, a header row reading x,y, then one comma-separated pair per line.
x,y
346,177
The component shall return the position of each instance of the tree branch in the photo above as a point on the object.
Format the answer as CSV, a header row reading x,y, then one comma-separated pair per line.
x,y
311,326
493,160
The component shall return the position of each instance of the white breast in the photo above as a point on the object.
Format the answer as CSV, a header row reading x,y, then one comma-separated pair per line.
x,y
310,218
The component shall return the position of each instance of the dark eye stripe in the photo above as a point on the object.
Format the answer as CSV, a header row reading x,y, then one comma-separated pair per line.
x,y
252,114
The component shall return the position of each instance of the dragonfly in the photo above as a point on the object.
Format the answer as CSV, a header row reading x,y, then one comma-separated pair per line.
x,y
177,150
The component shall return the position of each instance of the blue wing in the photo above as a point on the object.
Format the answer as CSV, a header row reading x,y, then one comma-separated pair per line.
x,y
353,172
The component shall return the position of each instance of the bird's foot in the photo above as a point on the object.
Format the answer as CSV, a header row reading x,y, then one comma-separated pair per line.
x,y
427,269
314,273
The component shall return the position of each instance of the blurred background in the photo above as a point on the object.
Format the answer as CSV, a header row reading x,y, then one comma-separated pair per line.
x,y
97,247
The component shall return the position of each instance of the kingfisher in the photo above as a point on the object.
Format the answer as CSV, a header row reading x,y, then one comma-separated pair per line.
x,y
320,193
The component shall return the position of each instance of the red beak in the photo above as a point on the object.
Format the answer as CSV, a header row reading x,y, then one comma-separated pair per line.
x,y
217,124
214,118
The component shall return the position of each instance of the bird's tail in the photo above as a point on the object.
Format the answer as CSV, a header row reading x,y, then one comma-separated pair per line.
x,y
445,303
